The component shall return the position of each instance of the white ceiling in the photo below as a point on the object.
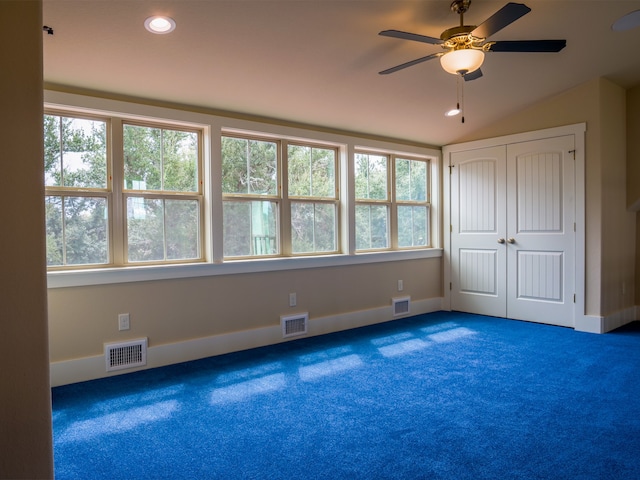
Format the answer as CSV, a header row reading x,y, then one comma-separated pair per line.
x,y
316,62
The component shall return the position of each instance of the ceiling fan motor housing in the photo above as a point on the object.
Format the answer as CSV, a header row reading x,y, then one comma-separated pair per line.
x,y
460,6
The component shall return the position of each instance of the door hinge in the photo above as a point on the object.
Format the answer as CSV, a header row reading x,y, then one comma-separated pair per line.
x,y
574,153
574,298
450,228
574,226
450,286
450,167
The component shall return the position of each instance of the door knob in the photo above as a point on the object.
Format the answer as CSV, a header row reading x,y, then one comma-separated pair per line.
x,y
511,240
501,240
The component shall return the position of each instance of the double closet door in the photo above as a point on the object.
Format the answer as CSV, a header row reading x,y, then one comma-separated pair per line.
x,y
513,230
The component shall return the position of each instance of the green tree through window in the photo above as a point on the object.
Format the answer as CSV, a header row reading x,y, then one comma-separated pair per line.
x,y
162,191
76,203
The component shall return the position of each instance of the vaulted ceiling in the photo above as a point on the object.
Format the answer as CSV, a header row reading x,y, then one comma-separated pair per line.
x,y
316,62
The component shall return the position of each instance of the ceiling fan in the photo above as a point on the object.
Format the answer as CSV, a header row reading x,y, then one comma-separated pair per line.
x,y
464,46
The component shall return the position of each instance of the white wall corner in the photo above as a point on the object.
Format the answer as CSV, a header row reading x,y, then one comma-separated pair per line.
x,y
589,324
595,324
620,318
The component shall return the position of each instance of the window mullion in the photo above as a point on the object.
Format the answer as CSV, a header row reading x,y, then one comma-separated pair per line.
x,y
64,229
393,204
118,202
285,202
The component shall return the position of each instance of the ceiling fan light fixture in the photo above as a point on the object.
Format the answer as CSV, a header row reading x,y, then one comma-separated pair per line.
x,y
463,61
160,25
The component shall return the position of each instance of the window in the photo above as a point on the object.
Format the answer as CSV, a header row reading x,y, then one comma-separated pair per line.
x,y
313,198
412,202
77,191
378,207
151,194
372,201
162,192
130,189
253,198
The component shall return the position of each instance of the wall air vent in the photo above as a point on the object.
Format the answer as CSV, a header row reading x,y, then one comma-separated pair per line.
x,y
125,354
293,325
401,306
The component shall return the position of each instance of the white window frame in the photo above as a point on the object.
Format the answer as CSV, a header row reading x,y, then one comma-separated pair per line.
x,y
392,203
115,193
123,193
410,203
106,193
213,126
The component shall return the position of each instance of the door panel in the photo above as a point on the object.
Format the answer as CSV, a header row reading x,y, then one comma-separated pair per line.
x,y
540,211
478,221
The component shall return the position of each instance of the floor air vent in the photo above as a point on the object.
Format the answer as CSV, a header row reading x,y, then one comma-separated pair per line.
x,y
293,325
400,305
125,354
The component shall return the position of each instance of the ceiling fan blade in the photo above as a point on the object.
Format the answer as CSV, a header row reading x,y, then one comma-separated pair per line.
x,y
528,46
410,64
627,22
503,17
410,36
472,75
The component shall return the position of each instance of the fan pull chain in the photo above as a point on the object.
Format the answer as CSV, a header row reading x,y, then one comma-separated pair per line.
x,y
461,82
460,94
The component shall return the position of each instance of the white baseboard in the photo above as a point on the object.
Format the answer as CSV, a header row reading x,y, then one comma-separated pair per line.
x,y
607,323
90,368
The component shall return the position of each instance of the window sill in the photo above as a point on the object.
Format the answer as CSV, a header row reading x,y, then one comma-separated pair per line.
x,y
104,276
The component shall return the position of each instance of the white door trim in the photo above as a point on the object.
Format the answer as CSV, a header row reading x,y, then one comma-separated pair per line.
x,y
578,130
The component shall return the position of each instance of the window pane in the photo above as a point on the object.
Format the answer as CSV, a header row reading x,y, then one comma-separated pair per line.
x,y
372,229
250,228
145,229
411,180
85,230
160,159
55,237
313,227
182,229
249,166
75,152
180,161
77,231
413,227
371,176
52,152
142,158
311,171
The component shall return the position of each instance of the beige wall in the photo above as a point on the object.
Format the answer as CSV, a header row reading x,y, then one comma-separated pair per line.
x,y
610,229
633,148
25,401
170,311
618,222
633,171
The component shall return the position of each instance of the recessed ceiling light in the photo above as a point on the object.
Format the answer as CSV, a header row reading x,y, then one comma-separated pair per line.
x,y
160,25
453,112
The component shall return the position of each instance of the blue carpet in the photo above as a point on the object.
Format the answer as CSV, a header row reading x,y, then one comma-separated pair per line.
x,y
437,396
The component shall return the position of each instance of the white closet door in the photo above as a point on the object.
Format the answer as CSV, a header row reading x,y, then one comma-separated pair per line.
x,y
478,223
512,231
541,216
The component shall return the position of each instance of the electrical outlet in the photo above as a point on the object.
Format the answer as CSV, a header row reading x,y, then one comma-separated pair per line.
x,y
293,301
123,321
400,285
